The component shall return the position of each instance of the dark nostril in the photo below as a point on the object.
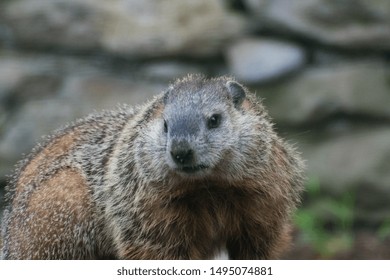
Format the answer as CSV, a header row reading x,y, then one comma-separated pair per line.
x,y
182,156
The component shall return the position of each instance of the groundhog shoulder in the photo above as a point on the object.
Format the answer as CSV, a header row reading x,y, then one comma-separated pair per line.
x,y
53,180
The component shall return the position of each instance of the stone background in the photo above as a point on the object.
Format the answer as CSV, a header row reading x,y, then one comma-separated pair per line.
x,y
321,66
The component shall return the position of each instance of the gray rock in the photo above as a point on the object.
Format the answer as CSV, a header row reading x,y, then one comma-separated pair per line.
x,y
256,5
24,77
36,87
33,120
127,27
54,23
165,28
359,88
354,24
168,71
104,91
258,60
13,70
356,162
350,160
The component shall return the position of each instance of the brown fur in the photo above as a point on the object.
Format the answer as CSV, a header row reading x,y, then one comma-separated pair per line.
x,y
67,192
59,147
108,187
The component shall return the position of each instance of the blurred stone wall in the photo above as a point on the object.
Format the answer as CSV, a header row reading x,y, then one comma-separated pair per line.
x,y
321,66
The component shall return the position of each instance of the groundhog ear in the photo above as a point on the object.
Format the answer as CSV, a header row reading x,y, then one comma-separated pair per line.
x,y
237,93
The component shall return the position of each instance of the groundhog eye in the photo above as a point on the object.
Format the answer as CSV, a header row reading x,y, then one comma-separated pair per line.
x,y
165,126
214,121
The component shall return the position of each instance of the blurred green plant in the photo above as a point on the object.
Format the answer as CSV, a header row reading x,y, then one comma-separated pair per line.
x,y
384,230
326,222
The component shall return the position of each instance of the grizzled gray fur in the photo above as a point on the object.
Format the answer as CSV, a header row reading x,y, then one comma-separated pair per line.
x,y
197,169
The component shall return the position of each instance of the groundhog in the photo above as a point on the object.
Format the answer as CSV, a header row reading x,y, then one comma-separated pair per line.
x,y
197,169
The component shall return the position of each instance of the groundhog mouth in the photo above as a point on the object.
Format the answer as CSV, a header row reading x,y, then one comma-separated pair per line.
x,y
192,169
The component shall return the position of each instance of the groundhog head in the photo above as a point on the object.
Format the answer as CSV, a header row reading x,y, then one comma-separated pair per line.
x,y
206,128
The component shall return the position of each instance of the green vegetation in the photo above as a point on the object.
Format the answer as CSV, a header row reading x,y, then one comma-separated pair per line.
x,y
325,222
384,230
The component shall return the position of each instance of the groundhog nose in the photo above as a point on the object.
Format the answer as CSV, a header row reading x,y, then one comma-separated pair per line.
x,y
182,157
181,153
